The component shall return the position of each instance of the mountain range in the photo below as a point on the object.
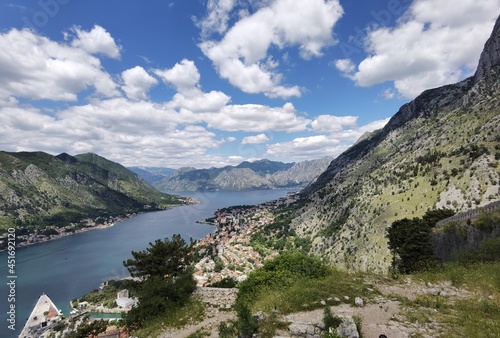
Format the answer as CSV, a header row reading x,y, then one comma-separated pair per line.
x,y
152,174
441,150
262,174
38,189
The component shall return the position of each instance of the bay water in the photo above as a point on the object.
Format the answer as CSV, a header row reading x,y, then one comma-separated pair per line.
x,y
67,268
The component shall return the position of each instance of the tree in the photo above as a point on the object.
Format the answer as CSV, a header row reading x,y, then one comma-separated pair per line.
x,y
410,240
167,258
410,243
166,279
89,329
431,217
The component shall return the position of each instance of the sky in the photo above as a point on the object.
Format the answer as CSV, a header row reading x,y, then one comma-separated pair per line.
x,y
205,83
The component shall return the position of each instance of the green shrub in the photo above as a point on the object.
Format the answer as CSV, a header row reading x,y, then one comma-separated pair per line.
x,y
282,271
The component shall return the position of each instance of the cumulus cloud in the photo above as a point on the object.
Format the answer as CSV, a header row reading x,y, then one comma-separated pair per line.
x,y
35,67
242,55
256,139
137,83
434,43
330,123
129,132
213,108
306,148
336,140
257,118
96,41
184,76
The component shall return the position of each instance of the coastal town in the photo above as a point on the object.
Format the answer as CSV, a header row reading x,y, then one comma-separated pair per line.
x,y
52,232
227,253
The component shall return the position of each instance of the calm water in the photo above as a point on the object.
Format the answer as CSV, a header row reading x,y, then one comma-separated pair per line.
x,y
67,268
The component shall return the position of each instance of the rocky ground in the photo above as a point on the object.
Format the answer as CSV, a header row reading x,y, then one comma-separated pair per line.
x,y
383,314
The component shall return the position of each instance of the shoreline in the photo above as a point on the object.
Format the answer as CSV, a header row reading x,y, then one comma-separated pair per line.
x,y
111,222
82,230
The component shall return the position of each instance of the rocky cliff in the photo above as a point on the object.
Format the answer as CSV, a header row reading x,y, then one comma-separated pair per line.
x,y
440,150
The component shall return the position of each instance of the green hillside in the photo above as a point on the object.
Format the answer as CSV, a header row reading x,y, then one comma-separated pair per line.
x,y
441,150
38,190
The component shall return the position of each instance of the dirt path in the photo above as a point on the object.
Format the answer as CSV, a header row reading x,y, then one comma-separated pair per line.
x,y
209,324
381,315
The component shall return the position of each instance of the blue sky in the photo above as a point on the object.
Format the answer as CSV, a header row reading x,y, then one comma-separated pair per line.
x,y
214,82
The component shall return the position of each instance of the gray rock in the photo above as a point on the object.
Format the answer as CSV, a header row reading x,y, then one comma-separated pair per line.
x,y
347,328
359,302
304,330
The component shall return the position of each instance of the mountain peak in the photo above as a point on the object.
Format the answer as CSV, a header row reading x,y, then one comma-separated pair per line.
x,y
490,57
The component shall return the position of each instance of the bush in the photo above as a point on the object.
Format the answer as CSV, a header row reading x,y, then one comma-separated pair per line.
x,y
282,271
225,283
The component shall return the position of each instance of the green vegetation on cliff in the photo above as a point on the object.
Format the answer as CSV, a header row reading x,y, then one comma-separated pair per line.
x,y
39,190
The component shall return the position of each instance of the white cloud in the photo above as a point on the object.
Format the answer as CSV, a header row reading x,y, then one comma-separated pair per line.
x,y
34,67
306,148
184,76
242,55
389,93
137,83
196,106
257,118
256,139
96,41
333,144
199,101
131,133
331,124
346,67
436,42
217,18
374,125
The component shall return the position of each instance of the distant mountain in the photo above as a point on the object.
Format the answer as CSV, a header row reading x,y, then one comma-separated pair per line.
x,y
263,167
262,174
38,189
152,174
442,150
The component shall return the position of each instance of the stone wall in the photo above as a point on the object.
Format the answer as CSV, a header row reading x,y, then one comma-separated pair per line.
x,y
471,214
468,238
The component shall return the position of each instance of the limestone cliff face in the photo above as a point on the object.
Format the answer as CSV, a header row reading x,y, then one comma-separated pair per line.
x,y
490,57
440,150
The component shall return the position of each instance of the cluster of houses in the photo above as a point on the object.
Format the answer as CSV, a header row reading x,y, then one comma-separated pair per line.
x,y
227,252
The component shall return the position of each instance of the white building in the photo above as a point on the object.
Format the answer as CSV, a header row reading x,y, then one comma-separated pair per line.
x,y
123,300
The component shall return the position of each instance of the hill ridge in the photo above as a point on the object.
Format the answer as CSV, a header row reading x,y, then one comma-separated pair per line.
x,y
439,150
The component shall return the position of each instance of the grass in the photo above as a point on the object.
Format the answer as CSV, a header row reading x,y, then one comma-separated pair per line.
x,y
199,334
481,278
476,316
269,326
308,294
192,312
